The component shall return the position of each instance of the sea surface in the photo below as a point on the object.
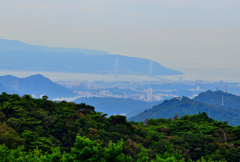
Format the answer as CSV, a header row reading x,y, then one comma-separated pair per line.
x,y
95,77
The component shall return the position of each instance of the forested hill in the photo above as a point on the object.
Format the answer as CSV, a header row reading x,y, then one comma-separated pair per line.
x,y
184,105
19,56
34,85
219,98
43,130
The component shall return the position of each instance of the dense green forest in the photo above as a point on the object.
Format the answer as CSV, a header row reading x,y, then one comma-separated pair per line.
x,y
43,130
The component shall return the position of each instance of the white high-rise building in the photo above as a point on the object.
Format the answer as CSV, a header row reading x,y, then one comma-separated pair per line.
x,y
149,94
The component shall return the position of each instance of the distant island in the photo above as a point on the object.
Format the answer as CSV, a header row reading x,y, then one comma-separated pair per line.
x,y
16,55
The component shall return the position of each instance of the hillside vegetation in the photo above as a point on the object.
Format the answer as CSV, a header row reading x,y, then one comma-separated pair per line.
x,y
43,130
219,98
183,105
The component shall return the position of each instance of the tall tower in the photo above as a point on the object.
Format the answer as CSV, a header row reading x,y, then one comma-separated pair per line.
x,y
116,65
226,88
222,101
149,90
149,94
150,69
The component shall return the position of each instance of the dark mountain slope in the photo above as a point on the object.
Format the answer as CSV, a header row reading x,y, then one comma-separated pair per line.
x,y
219,98
8,84
3,89
184,105
111,106
36,85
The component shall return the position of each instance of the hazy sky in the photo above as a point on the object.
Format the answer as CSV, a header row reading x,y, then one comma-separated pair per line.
x,y
193,36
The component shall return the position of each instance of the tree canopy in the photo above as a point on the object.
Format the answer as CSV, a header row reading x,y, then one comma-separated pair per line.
x,y
43,130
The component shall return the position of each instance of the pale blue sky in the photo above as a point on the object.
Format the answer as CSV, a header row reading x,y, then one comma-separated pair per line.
x,y
193,36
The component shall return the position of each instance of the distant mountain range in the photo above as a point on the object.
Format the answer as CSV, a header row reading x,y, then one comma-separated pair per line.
x,y
34,85
184,105
111,106
19,56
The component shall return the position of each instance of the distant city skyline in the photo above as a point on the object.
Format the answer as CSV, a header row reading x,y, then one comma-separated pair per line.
x,y
197,37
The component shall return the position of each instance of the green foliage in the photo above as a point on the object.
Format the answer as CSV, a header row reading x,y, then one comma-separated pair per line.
x,y
85,149
143,156
9,136
114,152
42,130
171,153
